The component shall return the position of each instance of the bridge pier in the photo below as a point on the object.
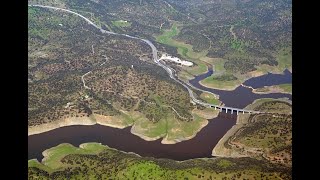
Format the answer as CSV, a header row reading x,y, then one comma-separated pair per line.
x,y
220,109
231,111
226,110
242,111
237,112
215,107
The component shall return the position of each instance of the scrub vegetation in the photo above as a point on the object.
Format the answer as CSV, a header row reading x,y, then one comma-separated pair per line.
x,y
77,72
252,37
94,161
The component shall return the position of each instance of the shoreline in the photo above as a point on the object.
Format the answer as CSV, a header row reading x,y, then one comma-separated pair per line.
x,y
86,121
220,150
270,90
46,153
166,141
245,86
219,88
92,120
253,74
254,90
73,121
146,138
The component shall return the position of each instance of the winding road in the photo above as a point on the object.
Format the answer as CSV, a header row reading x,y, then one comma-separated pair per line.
x,y
169,70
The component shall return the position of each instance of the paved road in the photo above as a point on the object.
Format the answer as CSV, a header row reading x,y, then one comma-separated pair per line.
x,y
169,70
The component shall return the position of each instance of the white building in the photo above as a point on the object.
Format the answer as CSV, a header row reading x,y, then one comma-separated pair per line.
x,y
176,60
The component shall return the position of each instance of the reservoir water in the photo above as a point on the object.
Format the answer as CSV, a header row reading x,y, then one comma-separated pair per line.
x,y
270,79
242,96
122,139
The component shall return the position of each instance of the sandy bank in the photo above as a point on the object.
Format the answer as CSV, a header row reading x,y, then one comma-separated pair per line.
x,y
226,88
86,121
105,121
243,79
249,87
134,130
60,123
220,150
109,121
47,153
207,113
271,89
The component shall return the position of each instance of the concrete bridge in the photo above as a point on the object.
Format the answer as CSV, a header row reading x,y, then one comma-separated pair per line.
x,y
231,109
236,110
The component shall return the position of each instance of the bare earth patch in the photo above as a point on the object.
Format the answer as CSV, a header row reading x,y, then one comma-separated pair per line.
x,y
61,123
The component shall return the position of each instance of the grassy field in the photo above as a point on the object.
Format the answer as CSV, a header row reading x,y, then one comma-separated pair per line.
x,y
150,130
121,23
169,125
167,35
185,50
209,98
171,128
55,154
214,81
200,68
284,58
181,130
35,163
217,63
286,87
281,88
211,82
189,73
208,113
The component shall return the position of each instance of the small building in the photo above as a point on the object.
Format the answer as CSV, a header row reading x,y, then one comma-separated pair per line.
x,y
176,60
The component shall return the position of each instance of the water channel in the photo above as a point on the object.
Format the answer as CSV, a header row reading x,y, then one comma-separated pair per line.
x,y
122,139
